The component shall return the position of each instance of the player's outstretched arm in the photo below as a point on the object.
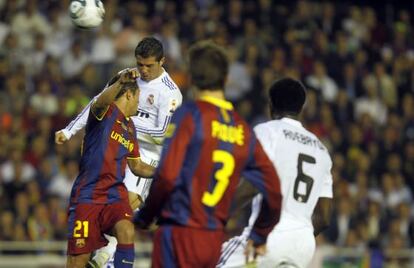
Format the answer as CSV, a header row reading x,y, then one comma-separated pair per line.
x,y
140,169
322,215
80,120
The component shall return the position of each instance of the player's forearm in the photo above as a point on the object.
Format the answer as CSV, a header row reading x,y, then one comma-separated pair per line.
x,y
109,94
156,132
159,192
141,169
268,217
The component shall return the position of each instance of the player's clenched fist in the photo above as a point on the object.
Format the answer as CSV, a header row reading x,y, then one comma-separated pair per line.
x,y
128,75
60,138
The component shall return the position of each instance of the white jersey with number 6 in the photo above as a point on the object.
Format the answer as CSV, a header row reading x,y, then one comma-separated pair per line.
x,y
304,168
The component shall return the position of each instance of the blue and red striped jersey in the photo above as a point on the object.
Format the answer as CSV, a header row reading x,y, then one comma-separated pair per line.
x,y
109,141
207,149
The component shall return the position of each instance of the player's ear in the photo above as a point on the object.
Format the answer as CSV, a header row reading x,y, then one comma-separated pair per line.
x,y
162,60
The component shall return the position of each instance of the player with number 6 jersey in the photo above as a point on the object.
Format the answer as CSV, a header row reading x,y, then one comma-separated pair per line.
x,y
208,148
304,167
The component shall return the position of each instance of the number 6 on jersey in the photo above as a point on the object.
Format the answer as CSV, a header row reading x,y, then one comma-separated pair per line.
x,y
222,176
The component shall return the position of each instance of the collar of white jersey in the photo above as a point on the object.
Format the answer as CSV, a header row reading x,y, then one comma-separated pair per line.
x,y
291,121
156,80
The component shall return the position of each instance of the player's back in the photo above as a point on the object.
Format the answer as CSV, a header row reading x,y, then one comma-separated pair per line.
x,y
219,149
303,165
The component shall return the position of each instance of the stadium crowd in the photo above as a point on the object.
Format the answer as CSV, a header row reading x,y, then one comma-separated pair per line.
x,y
356,60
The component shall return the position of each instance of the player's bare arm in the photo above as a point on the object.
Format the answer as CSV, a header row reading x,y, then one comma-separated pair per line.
x,y
109,94
322,215
139,168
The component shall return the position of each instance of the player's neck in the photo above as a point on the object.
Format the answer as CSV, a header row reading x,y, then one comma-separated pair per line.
x,y
218,94
121,104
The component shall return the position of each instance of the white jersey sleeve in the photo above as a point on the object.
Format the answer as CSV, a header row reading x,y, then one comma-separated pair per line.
x,y
81,119
79,122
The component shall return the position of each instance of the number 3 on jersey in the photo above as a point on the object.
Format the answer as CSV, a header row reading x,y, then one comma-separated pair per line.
x,y
222,176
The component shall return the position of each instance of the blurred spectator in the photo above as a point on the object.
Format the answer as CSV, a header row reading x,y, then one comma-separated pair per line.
x,y
27,23
74,60
320,80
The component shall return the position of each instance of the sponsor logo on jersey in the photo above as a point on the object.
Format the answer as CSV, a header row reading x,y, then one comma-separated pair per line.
x,y
173,105
120,139
80,243
227,133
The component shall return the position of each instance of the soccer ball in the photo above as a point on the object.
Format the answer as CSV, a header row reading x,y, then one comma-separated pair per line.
x,y
86,13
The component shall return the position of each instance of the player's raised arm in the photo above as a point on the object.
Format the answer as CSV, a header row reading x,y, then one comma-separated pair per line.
x,y
103,101
262,174
80,120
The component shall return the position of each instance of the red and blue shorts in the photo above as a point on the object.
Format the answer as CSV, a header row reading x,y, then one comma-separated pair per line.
x,y
88,222
184,247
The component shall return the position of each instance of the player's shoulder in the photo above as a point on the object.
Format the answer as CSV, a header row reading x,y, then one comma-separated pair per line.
x,y
269,127
168,83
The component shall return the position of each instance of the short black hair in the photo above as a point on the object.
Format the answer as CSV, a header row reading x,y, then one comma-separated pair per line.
x,y
287,97
132,86
208,65
150,47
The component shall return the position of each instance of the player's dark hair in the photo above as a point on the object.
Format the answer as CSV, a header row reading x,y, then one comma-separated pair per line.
x,y
150,47
287,97
208,65
132,86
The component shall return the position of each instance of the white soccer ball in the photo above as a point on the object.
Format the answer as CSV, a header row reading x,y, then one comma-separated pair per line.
x,y
86,13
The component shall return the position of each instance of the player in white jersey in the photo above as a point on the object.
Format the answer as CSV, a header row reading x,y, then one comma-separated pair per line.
x,y
159,97
304,168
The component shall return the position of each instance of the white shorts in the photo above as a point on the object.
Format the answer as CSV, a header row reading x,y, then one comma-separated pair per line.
x,y
287,249
293,248
232,253
136,184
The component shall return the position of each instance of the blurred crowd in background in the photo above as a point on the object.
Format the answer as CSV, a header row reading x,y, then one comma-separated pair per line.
x,y
356,60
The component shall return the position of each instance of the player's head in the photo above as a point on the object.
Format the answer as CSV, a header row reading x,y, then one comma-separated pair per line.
x,y
149,55
129,96
287,97
208,66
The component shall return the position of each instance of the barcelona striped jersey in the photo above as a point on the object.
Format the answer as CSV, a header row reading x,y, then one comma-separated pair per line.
x,y
109,141
207,149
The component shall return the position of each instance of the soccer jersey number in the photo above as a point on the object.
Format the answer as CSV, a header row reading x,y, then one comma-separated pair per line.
x,y
303,182
222,176
79,225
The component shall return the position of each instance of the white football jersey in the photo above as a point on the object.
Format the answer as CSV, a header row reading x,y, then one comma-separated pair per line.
x,y
304,168
157,101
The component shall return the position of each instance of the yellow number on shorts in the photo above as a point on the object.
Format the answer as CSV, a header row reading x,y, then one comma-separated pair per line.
x,y
222,176
78,227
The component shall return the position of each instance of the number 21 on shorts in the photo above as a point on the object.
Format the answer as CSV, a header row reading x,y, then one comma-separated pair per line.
x,y
81,229
222,176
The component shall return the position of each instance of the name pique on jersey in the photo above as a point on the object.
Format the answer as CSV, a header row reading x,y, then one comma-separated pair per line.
x,y
303,139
